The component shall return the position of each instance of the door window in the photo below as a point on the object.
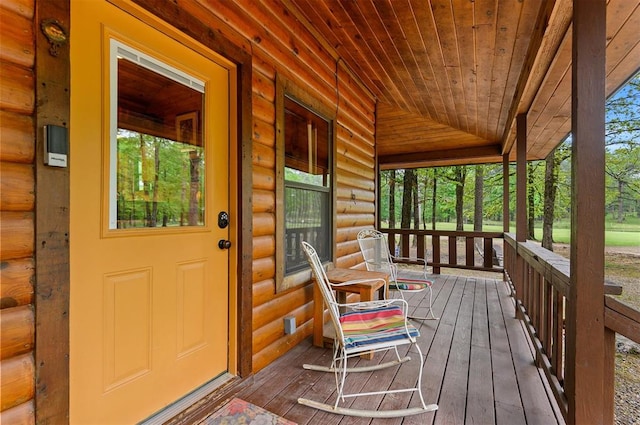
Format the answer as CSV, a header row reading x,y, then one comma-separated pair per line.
x,y
157,162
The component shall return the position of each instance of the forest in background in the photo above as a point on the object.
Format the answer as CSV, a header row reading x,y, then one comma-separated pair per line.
x,y
472,194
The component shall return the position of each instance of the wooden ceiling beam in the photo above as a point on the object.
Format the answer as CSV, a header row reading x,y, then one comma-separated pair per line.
x,y
490,153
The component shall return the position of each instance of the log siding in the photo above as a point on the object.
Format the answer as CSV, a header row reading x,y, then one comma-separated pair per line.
x,y
17,208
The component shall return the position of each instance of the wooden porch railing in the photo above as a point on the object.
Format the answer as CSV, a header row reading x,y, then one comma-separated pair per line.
x,y
479,251
540,283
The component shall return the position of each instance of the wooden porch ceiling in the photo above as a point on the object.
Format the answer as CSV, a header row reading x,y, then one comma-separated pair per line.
x,y
450,76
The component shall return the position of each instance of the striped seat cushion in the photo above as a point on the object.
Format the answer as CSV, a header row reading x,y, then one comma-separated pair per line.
x,y
372,326
403,284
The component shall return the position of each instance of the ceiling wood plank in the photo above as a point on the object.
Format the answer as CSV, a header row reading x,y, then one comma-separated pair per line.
x,y
532,56
399,35
430,38
464,22
518,43
485,24
372,34
320,18
443,16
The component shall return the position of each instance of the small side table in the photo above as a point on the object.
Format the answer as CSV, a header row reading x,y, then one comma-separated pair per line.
x,y
366,290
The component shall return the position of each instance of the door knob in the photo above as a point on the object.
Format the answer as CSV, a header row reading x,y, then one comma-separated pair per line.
x,y
224,244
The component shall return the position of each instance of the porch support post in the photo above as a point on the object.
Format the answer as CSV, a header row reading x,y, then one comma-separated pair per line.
x,y
521,178
585,338
521,206
505,193
52,221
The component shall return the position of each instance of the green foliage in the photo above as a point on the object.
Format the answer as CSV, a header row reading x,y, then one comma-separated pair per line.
x,y
623,154
623,181
622,190
154,181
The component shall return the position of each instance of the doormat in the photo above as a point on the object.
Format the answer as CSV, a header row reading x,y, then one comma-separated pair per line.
x,y
238,411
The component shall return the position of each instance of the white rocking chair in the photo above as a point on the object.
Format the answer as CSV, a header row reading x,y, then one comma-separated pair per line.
x,y
364,327
377,257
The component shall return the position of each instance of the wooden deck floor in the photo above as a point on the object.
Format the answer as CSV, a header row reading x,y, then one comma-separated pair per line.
x,y
479,367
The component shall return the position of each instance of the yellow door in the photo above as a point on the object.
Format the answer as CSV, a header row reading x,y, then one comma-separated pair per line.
x,y
149,160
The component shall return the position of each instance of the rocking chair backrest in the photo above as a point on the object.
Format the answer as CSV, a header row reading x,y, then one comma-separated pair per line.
x,y
375,251
325,287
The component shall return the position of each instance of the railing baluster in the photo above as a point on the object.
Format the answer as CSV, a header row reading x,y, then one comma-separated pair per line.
x,y
548,317
435,244
404,238
488,248
470,260
453,250
535,280
560,334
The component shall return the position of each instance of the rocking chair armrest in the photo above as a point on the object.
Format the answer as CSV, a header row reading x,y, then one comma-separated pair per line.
x,y
357,281
413,259
420,261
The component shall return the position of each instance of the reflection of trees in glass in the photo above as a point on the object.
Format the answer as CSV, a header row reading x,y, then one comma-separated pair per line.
x,y
153,176
293,175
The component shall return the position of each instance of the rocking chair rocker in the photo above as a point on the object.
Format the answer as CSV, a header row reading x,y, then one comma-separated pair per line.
x,y
364,327
377,257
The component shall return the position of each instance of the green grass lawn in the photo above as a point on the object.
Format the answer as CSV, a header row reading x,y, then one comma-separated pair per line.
x,y
611,237
616,234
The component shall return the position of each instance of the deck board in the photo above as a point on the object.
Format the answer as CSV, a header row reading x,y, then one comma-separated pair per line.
x,y
480,408
479,367
453,400
508,404
536,404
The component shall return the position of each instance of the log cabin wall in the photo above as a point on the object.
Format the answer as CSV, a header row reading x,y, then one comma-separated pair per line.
x,y
281,45
17,185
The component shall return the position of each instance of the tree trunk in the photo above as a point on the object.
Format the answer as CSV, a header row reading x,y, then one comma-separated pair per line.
x,y
156,183
424,202
433,201
531,202
407,197
194,213
478,198
392,200
620,201
461,174
550,186
416,204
